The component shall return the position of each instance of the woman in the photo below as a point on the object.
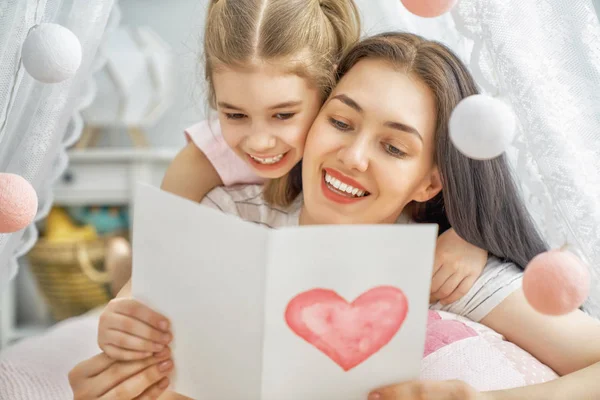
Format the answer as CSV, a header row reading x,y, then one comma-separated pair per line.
x,y
379,152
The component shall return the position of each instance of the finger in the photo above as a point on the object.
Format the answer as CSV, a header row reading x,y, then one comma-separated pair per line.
x,y
430,390
130,342
136,327
440,278
154,391
448,287
140,382
90,367
135,309
119,354
120,372
462,289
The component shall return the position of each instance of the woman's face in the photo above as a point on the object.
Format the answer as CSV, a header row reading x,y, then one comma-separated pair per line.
x,y
370,151
265,114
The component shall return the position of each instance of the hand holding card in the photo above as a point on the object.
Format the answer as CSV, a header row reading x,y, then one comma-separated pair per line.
x,y
321,312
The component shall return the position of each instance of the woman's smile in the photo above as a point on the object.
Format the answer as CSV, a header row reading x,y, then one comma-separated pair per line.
x,y
340,188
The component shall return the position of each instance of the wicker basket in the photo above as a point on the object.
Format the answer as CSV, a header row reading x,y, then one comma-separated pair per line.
x,y
71,276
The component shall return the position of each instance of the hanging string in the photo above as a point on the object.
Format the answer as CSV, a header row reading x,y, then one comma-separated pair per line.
x,y
18,67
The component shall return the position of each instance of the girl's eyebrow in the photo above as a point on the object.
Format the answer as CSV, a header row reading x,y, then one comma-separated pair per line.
x,y
286,104
223,104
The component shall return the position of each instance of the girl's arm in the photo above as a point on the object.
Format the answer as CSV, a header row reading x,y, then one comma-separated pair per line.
x,y
458,264
191,175
128,329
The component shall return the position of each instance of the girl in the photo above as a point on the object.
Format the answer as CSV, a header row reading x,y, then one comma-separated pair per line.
x,y
269,66
397,152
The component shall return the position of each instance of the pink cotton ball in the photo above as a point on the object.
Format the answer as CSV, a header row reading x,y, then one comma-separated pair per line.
x,y
18,203
428,8
556,282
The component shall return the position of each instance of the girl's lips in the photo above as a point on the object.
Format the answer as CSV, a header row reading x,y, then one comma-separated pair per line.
x,y
268,167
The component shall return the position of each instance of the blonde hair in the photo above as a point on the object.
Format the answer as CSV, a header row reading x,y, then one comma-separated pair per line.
x,y
308,36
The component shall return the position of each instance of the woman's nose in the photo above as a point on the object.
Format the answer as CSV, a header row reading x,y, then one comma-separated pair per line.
x,y
355,154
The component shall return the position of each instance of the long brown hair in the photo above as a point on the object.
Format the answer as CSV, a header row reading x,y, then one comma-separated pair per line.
x,y
307,36
479,199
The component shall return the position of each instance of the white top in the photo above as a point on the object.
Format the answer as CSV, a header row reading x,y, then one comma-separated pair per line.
x,y
498,280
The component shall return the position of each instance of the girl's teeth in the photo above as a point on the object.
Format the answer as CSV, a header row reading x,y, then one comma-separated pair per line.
x,y
343,187
270,160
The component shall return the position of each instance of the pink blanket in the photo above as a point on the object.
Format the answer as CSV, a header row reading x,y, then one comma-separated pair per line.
x,y
456,348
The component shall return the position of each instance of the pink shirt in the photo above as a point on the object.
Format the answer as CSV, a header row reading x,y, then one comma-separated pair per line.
x,y
206,135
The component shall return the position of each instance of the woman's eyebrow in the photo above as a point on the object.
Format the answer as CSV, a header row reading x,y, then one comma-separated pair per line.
x,y
390,124
403,128
348,101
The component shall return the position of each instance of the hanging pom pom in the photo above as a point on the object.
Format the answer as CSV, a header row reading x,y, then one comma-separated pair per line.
x,y
51,53
428,8
18,203
482,127
556,282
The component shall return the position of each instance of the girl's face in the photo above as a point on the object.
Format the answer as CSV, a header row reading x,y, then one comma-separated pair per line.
x,y
265,114
370,151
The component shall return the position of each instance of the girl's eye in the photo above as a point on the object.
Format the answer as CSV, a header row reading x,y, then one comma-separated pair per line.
x,y
235,115
342,126
394,151
284,116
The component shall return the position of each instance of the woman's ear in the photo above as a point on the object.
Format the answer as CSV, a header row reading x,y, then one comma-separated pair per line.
x,y
432,185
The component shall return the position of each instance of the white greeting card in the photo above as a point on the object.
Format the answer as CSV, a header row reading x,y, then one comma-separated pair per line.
x,y
320,312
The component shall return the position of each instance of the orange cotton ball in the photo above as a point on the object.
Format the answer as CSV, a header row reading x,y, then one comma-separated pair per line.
x,y
556,282
18,203
428,8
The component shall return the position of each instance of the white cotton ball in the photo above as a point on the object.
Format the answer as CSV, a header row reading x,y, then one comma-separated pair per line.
x,y
482,127
51,53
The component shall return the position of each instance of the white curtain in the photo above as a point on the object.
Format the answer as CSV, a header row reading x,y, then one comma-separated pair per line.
x,y
543,56
43,119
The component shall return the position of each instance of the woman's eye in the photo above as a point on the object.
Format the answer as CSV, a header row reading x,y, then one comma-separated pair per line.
x,y
394,151
235,115
284,116
342,126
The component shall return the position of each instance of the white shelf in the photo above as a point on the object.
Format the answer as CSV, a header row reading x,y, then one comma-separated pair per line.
x,y
105,176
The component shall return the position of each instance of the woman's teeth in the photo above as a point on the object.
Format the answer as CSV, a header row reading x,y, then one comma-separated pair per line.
x,y
270,160
343,187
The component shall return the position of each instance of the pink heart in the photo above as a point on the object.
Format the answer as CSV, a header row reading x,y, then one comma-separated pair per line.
x,y
348,333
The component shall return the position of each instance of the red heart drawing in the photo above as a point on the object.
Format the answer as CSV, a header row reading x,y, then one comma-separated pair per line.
x,y
348,333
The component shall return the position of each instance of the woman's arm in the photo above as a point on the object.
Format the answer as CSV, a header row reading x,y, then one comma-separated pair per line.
x,y
568,344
